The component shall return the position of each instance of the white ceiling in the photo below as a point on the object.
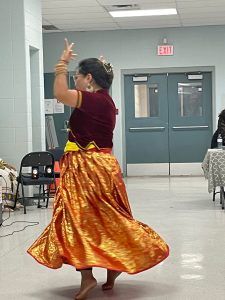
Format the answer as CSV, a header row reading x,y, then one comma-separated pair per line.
x,y
86,15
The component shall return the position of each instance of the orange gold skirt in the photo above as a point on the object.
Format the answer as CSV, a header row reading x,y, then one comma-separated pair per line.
x,y
92,223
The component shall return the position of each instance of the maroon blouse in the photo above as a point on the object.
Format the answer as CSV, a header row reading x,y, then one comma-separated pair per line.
x,y
94,120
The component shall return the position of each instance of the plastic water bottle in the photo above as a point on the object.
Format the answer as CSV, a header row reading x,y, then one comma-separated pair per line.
x,y
219,142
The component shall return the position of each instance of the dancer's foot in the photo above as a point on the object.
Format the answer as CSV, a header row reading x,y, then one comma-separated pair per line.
x,y
86,286
111,277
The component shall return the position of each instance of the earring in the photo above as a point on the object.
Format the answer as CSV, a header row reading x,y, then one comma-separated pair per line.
x,y
90,88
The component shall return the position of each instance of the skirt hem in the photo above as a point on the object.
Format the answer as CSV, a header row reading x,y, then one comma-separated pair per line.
x,y
101,266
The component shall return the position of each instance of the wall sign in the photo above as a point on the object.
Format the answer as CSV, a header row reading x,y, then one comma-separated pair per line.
x,y
165,50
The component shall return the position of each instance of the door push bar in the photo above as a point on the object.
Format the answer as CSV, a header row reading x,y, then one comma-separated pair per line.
x,y
146,129
190,127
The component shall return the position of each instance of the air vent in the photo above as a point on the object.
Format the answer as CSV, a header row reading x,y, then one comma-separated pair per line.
x,y
49,27
126,6
122,7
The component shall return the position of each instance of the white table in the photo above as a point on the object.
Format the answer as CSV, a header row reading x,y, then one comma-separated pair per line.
x,y
214,170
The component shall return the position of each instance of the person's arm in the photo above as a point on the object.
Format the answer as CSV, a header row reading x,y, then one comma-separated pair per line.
x,y
62,93
61,90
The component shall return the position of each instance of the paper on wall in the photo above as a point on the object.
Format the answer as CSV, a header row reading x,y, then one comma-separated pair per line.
x,y
49,109
58,107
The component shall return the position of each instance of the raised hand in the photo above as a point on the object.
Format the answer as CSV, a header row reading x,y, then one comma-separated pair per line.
x,y
68,53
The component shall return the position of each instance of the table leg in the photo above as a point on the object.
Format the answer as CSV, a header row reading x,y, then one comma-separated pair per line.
x,y
222,196
214,194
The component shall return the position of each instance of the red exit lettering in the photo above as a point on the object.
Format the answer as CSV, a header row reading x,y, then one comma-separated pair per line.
x,y
165,50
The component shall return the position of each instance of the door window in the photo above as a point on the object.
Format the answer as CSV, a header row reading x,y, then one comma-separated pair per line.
x,y
190,99
146,100
141,101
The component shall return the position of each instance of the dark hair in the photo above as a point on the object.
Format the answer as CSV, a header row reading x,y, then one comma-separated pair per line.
x,y
222,114
102,73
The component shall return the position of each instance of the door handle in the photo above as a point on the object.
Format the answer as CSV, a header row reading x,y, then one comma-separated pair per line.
x,y
152,128
65,129
66,126
190,127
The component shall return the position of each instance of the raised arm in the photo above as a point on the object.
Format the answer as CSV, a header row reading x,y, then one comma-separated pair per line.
x,y
61,90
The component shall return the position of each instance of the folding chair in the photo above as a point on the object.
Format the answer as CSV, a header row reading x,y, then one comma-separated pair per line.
x,y
42,173
57,153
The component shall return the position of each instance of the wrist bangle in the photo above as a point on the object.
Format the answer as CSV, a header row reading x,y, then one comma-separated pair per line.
x,y
63,61
61,68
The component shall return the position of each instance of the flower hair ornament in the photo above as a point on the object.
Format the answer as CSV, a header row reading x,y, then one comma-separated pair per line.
x,y
107,66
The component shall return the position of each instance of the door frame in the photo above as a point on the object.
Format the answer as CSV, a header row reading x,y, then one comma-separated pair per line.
x,y
142,71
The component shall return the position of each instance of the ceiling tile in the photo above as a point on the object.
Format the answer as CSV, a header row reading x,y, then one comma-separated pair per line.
x,y
90,25
127,2
83,17
74,10
79,14
147,26
77,22
68,3
200,3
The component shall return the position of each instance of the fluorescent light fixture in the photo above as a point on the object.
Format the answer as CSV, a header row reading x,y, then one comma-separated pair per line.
x,y
143,12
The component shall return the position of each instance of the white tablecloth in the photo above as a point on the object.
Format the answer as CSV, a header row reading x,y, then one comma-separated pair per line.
x,y
214,168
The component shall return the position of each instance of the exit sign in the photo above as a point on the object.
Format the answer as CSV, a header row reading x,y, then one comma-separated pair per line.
x,y
165,50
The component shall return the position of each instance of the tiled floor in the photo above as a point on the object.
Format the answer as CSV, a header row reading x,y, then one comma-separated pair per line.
x,y
178,208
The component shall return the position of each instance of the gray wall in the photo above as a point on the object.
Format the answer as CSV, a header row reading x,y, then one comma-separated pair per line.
x,y
20,29
34,73
132,49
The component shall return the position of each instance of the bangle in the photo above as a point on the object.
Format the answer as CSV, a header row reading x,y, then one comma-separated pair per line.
x,y
63,61
61,68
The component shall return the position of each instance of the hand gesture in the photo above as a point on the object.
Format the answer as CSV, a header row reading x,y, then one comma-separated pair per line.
x,y
68,54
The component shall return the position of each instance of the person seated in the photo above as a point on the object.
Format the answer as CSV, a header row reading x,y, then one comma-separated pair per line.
x,y
221,125
220,130
214,140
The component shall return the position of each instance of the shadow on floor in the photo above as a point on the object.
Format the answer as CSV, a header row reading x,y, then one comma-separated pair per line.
x,y
123,290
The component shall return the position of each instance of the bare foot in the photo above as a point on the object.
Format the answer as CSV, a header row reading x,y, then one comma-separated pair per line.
x,y
111,277
86,287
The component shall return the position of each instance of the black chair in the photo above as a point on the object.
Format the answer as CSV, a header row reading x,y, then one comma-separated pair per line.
x,y
42,173
57,153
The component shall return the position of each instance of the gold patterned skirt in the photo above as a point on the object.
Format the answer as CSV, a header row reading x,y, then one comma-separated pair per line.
x,y
92,223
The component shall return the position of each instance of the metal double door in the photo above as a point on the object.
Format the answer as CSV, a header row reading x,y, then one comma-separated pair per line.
x,y
168,118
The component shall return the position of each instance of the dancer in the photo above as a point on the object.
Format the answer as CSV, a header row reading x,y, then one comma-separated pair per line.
x,y
92,224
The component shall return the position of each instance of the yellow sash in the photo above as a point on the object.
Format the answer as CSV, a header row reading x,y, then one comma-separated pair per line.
x,y
70,146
